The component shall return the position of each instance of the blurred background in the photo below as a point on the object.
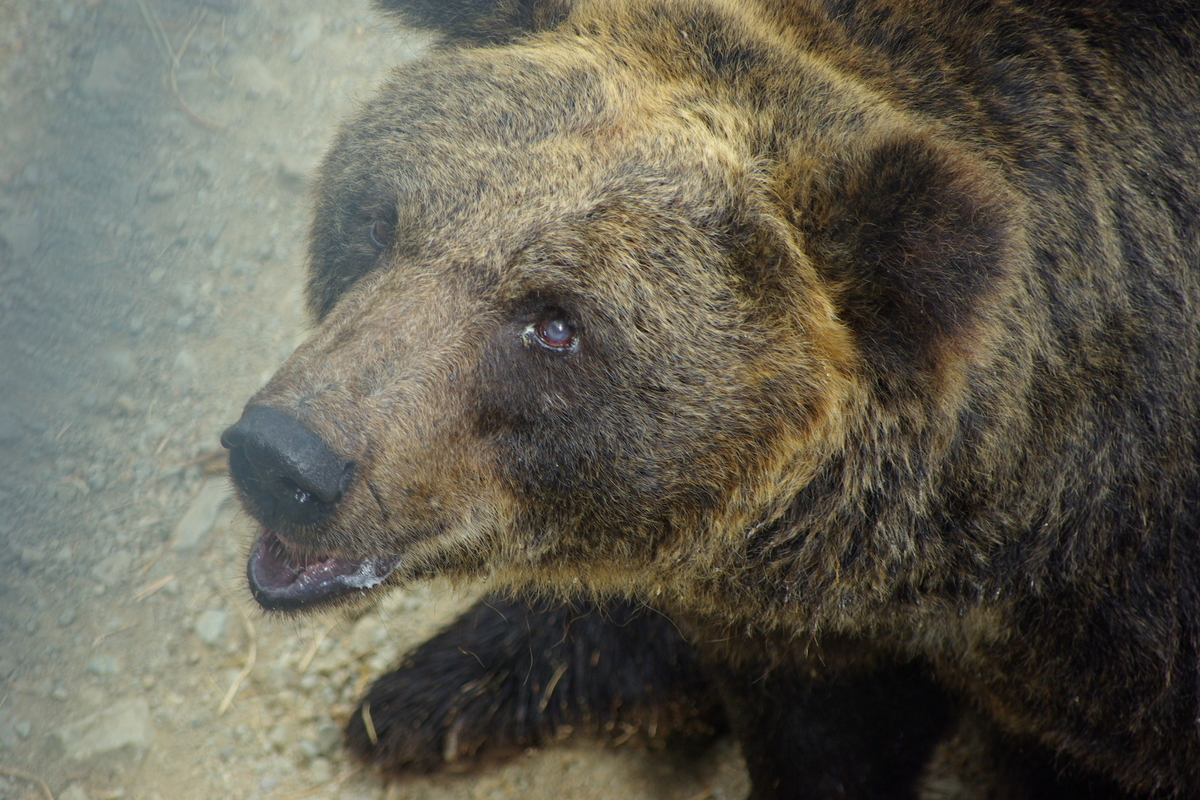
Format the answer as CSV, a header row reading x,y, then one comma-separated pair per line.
x,y
154,159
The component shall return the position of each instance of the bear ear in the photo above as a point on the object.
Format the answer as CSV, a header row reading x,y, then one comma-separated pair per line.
x,y
478,20
916,240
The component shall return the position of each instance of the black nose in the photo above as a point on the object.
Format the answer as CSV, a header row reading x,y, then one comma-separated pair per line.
x,y
284,468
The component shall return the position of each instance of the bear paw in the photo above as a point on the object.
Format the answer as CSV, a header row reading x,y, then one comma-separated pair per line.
x,y
507,675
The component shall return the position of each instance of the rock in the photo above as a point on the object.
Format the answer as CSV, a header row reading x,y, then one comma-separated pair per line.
x,y
211,625
253,77
22,233
112,71
124,405
162,189
31,556
367,635
104,666
201,515
11,429
223,6
122,363
308,31
294,170
91,698
185,362
320,770
329,738
279,737
111,569
121,733
207,167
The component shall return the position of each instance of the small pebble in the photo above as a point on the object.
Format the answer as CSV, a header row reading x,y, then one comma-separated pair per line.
x,y
103,666
279,737
74,792
31,555
321,770
125,404
163,189
211,625
329,738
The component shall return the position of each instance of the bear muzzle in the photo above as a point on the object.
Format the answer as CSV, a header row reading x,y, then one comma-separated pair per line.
x,y
289,477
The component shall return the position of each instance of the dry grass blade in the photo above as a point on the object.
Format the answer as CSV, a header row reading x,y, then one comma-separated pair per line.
x,y
107,634
172,58
30,777
152,587
311,653
251,654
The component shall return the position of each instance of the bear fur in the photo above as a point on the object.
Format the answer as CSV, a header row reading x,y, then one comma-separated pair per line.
x,y
835,362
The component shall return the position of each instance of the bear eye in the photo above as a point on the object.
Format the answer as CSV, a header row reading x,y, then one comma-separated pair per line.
x,y
554,333
380,234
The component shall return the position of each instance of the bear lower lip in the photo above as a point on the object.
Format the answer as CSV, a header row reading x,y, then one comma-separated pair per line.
x,y
283,580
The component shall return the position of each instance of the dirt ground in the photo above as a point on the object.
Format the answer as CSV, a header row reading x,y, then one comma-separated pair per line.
x,y
153,162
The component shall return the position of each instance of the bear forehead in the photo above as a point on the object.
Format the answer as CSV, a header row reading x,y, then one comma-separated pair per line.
x,y
458,119
472,161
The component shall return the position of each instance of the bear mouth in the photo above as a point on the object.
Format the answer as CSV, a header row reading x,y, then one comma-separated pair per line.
x,y
282,578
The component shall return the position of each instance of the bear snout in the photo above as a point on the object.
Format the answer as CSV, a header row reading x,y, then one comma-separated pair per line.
x,y
285,469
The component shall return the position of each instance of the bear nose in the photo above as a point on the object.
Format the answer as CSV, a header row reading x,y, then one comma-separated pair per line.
x,y
284,468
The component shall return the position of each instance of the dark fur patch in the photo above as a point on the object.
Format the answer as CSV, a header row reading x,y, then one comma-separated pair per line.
x,y
508,674
914,239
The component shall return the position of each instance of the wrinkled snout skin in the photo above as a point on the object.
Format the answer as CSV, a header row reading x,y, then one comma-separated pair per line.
x,y
864,327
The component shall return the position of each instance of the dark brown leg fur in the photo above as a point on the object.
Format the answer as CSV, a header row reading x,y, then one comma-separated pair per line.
x,y
866,736
510,674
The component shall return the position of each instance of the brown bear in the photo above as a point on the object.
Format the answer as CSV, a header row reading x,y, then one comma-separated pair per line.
x,y
826,370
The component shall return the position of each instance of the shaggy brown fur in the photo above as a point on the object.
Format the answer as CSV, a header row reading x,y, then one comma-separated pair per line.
x,y
860,337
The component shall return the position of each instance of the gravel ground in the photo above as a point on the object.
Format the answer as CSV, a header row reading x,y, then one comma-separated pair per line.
x,y
153,162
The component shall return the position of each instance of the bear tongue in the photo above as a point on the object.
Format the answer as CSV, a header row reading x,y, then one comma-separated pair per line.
x,y
283,581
